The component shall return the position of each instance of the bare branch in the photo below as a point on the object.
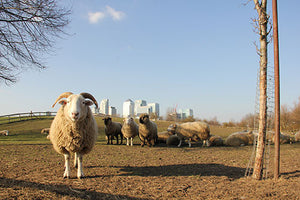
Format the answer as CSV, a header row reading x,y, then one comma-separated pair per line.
x,y
28,28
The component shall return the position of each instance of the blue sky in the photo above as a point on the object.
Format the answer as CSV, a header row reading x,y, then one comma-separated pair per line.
x,y
194,54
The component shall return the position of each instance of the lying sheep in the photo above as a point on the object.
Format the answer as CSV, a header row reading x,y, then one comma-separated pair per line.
x,y
45,131
112,129
173,140
240,139
163,136
74,129
130,129
147,131
4,132
283,138
215,140
191,131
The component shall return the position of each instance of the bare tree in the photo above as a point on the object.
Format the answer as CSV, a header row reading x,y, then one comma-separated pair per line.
x,y
262,27
28,30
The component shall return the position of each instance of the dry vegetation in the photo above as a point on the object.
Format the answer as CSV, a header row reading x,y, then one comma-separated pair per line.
x,y
31,169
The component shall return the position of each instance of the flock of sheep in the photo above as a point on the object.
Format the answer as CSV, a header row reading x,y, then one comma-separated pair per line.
x,y
74,131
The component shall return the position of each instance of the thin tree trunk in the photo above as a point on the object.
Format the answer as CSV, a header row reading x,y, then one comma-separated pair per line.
x,y
262,22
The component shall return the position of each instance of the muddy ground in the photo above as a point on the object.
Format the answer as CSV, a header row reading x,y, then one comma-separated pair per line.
x,y
121,172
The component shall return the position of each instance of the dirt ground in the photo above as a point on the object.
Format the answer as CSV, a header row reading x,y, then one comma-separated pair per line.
x,y
121,172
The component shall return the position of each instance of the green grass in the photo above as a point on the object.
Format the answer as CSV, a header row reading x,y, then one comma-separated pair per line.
x,y
29,132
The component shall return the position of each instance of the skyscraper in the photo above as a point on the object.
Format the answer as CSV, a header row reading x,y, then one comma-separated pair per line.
x,y
104,105
128,108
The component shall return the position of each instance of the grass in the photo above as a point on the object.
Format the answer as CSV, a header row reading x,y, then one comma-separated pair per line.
x,y
29,132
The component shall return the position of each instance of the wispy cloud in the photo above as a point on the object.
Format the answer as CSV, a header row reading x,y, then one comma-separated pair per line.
x,y
95,17
116,15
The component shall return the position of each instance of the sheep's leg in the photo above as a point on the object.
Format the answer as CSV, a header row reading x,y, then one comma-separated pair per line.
x,y
142,141
67,166
75,160
117,136
121,136
180,142
79,169
206,143
131,141
127,141
190,144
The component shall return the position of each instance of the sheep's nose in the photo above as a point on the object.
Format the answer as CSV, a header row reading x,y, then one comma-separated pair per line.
x,y
75,114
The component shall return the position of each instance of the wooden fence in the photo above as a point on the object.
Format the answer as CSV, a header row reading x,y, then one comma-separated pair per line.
x,y
5,119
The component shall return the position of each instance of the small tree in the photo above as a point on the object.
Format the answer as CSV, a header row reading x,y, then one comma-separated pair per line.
x,y
262,27
27,30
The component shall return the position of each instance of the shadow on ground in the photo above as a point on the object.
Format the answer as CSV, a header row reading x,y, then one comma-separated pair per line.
x,y
61,190
184,170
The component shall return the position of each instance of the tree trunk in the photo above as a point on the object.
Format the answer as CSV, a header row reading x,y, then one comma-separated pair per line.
x,y
262,27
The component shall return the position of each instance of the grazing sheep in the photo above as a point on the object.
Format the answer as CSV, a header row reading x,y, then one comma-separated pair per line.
x,y
191,131
112,129
74,129
4,132
130,129
45,131
297,137
215,140
240,139
147,131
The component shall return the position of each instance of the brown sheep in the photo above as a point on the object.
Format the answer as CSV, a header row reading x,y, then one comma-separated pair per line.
x,y
147,131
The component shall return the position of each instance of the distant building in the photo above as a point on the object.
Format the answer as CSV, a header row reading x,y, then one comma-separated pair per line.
x,y
154,108
112,111
140,107
128,108
104,105
183,114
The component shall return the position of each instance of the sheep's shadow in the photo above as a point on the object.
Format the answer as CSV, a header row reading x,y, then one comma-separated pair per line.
x,y
60,189
208,169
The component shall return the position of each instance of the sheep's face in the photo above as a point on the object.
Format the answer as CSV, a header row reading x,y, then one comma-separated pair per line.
x,y
144,119
128,120
172,128
76,107
107,120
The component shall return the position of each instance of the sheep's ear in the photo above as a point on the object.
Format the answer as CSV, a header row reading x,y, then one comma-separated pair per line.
x,y
62,102
88,102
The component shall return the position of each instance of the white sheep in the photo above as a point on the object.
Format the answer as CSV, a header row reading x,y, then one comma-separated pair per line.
x,y
74,129
191,131
130,129
112,129
4,132
147,131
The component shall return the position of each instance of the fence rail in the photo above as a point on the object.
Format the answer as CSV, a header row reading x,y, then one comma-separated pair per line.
x,y
17,117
